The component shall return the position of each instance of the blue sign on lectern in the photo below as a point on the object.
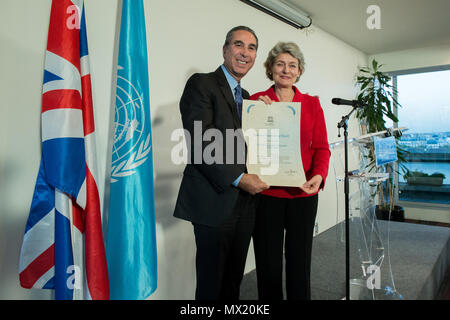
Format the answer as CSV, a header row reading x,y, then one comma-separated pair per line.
x,y
385,150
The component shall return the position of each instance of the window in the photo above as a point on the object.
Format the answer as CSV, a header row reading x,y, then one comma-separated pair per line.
x,y
425,111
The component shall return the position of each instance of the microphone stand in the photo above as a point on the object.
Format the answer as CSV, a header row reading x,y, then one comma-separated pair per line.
x,y
344,124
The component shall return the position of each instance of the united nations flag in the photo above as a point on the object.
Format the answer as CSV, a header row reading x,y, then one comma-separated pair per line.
x,y
131,237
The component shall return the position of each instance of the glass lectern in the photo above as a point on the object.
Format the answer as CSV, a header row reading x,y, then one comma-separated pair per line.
x,y
370,271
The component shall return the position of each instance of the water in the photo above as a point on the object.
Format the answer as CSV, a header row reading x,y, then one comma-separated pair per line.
x,y
429,167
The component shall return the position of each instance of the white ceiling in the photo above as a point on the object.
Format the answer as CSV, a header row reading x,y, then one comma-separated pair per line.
x,y
405,24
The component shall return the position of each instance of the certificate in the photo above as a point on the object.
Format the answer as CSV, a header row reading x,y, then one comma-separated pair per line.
x,y
272,134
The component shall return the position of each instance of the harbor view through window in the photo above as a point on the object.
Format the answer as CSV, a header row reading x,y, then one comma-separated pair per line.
x,y
425,111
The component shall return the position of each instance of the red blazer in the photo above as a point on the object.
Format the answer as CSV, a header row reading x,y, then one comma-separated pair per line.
x,y
314,142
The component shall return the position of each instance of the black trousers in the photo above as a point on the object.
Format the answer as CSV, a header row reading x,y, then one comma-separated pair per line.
x,y
290,222
222,252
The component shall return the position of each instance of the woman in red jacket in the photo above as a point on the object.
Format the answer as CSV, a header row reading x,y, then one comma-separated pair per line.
x,y
287,214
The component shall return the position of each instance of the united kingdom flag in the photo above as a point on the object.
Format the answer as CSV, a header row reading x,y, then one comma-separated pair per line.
x,y
63,245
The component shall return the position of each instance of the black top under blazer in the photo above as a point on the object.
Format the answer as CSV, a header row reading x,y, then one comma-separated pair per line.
x,y
206,194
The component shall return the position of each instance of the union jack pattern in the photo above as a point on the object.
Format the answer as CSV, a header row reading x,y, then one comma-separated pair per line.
x,y
63,245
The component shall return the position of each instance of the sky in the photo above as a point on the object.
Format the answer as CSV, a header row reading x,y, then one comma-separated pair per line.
x,y
425,100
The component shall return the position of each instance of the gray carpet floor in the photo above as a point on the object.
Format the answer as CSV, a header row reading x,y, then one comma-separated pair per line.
x,y
419,258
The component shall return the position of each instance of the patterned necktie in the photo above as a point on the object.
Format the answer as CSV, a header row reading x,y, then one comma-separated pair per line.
x,y
238,99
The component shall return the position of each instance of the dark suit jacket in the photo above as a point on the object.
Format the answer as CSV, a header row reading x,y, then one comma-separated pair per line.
x,y
206,194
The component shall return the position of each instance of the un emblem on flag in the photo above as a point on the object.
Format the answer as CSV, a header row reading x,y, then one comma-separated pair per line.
x,y
131,138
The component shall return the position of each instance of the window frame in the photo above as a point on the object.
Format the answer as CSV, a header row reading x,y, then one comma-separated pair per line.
x,y
394,75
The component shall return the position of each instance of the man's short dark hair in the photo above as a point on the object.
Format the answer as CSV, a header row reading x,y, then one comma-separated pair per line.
x,y
230,35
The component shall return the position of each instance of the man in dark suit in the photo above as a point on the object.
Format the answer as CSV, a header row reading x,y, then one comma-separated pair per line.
x,y
218,196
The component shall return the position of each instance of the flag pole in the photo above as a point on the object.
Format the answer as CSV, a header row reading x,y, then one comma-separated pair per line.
x,y
111,129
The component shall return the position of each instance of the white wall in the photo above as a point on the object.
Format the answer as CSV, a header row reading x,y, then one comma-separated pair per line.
x,y
426,212
23,39
183,37
414,58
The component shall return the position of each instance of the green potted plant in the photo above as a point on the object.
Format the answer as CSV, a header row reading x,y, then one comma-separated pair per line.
x,y
379,97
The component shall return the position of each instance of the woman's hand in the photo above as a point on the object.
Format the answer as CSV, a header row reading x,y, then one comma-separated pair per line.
x,y
265,99
312,186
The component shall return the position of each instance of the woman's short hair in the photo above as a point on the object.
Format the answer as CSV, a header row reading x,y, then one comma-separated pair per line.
x,y
284,47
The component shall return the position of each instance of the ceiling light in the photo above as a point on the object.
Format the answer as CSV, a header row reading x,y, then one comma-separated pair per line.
x,y
282,11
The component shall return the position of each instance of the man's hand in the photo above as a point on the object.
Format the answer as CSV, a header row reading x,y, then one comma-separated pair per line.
x,y
312,186
252,184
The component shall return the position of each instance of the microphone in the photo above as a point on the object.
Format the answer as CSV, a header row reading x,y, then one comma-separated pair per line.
x,y
353,103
